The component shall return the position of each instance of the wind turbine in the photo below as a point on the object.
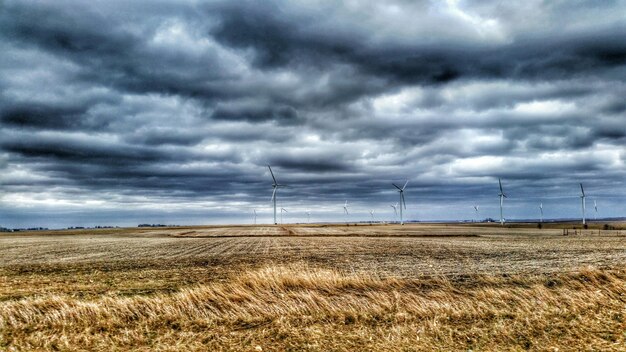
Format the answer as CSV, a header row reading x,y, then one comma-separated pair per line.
x,y
541,210
372,214
595,206
281,214
402,202
502,196
308,217
275,186
345,210
476,209
254,210
582,201
395,211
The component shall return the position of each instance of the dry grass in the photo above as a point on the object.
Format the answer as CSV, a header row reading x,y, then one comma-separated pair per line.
x,y
301,308
419,287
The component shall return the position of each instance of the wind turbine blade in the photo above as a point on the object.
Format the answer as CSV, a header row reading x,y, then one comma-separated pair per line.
x,y
273,194
582,190
274,178
396,186
403,187
500,183
403,201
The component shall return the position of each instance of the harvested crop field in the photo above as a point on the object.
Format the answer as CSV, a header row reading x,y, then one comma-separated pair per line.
x,y
382,287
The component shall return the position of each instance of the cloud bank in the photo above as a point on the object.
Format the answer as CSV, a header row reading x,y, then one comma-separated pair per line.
x,y
120,113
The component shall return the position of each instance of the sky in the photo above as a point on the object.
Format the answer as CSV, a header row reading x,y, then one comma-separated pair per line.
x,y
127,112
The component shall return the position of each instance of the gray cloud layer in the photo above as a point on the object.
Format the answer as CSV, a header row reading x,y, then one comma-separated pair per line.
x,y
175,108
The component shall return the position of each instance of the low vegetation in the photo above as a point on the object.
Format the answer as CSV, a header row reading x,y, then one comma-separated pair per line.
x,y
297,307
293,293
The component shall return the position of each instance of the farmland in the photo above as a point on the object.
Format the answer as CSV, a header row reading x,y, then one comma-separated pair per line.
x,y
414,287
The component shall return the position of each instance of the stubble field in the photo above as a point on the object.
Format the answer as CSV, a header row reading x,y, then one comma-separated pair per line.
x,y
381,287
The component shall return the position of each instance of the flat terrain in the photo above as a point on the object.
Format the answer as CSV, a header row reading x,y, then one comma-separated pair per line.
x,y
297,287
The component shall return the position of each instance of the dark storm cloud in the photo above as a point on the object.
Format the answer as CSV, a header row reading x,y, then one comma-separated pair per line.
x,y
81,149
185,103
255,113
111,50
53,117
309,163
279,40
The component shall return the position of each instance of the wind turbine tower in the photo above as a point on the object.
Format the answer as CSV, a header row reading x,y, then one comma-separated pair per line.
x,y
595,206
308,216
275,186
372,214
541,210
345,210
476,210
281,214
254,210
402,202
582,201
502,196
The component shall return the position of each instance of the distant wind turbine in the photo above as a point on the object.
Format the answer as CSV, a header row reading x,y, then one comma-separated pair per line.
x,y
308,216
281,214
345,210
502,196
395,212
275,186
254,210
372,214
476,210
541,210
582,201
402,202
595,206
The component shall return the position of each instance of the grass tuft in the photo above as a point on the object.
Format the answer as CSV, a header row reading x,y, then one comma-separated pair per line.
x,y
281,307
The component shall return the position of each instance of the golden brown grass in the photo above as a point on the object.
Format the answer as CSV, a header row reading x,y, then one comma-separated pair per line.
x,y
382,288
297,307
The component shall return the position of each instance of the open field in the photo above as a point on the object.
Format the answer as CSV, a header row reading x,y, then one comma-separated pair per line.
x,y
383,287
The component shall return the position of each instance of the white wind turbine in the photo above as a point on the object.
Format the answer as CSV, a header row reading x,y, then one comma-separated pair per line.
x,y
275,186
476,210
372,214
502,196
595,206
281,214
582,201
402,202
541,210
308,216
345,210
395,212
254,211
